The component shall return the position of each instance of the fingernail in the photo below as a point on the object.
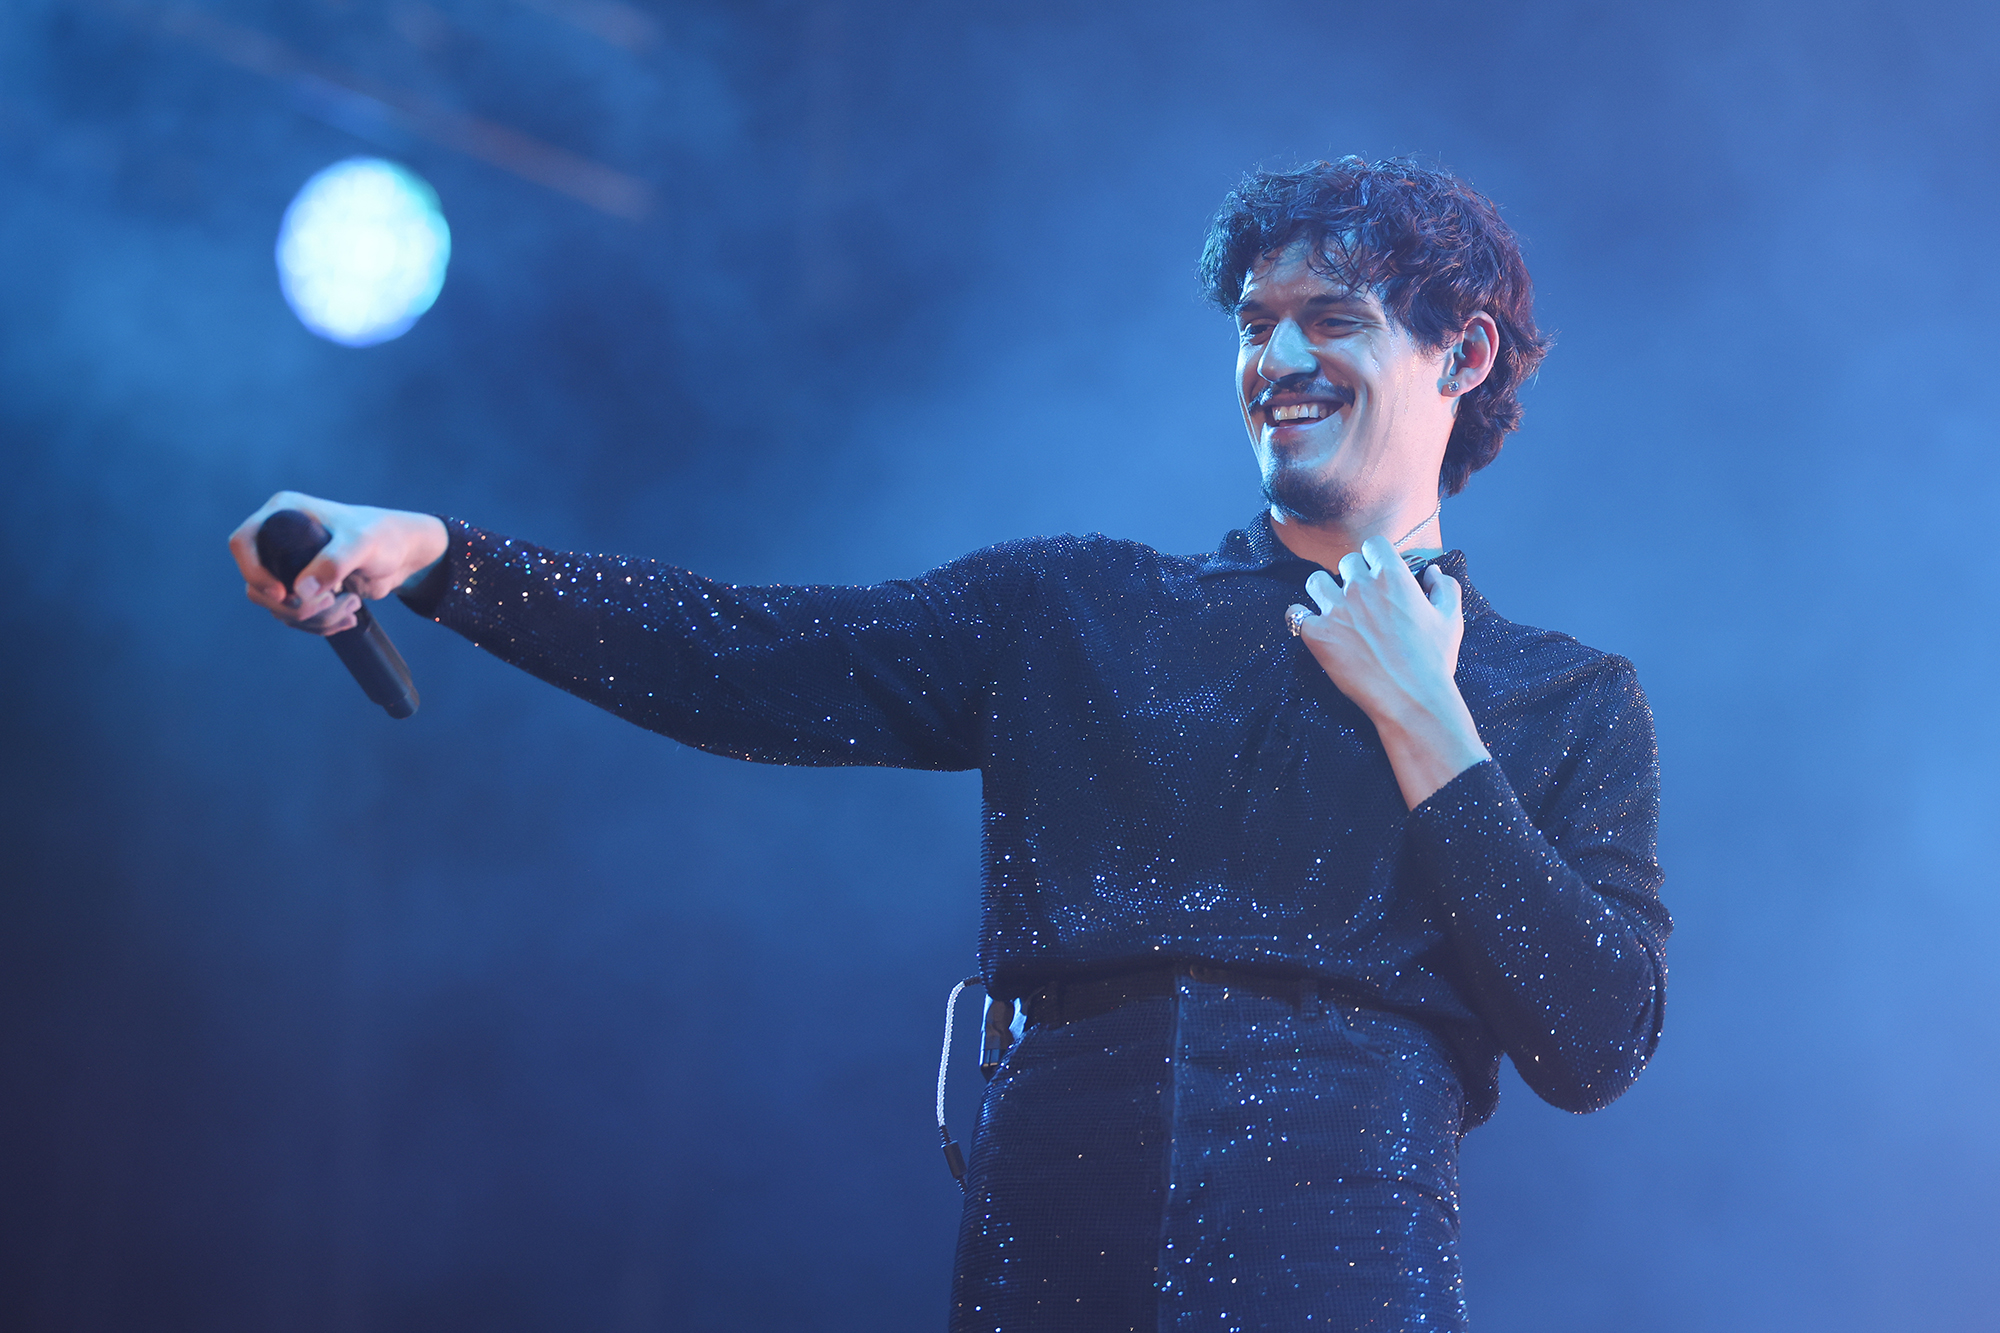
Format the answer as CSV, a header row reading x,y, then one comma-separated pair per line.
x,y
306,586
292,601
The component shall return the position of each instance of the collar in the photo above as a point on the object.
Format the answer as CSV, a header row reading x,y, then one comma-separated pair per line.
x,y
1255,549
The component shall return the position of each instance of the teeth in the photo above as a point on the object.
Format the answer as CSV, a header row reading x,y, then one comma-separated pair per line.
x,y
1298,412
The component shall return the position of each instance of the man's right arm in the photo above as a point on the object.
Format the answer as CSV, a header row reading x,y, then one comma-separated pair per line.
x,y
890,674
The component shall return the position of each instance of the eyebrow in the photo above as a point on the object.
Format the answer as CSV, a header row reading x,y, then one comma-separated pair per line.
x,y
1346,300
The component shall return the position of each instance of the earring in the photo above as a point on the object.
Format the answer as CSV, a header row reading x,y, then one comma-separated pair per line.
x,y
1451,387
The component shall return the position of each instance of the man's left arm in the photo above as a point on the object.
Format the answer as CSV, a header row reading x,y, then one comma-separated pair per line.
x,y
1558,928
1556,921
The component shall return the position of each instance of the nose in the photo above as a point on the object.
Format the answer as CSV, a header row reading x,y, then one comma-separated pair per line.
x,y
1286,352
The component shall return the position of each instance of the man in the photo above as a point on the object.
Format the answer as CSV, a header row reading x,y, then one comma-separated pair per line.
x,y
1278,885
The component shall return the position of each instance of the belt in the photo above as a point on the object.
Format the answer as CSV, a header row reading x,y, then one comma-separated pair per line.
x,y
1068,999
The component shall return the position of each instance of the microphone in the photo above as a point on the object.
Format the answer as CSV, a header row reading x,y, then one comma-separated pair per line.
x,y
286,544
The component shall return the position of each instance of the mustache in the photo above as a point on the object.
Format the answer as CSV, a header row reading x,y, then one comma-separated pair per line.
x,y
1306,385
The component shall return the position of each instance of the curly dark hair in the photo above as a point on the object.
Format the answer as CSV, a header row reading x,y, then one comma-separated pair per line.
x,y
1431,247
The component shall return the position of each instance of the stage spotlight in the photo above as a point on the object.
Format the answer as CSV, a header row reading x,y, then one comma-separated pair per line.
x,y
362,251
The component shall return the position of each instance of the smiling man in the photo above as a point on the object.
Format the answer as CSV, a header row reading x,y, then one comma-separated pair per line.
x,y
1277,885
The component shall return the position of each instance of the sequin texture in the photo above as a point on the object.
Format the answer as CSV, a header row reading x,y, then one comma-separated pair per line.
x,y
1167,774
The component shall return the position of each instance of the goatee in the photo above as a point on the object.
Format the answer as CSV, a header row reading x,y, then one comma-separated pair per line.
x,y
1304,498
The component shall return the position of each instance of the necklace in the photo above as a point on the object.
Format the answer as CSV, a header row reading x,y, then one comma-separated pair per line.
x,y
1427,520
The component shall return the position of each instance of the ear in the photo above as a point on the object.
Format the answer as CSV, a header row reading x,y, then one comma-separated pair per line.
x,y
1470,360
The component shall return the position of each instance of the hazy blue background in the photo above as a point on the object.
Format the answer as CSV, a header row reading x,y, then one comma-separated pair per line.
x,y
514,1017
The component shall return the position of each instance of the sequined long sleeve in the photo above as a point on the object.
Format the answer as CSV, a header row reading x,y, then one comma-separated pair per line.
x,y
1554,922
880,675
1167,773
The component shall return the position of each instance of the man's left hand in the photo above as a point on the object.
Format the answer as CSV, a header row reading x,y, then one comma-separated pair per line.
x,y
1392,647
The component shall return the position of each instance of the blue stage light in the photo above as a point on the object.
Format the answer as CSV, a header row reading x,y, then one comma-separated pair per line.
x,y
362,251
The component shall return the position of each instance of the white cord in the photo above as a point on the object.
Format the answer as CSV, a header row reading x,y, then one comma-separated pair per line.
x,y
944,1056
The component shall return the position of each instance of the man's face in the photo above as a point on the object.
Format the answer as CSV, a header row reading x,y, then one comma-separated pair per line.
x,y
1343,407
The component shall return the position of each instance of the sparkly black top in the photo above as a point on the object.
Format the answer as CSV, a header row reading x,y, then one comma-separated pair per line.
x,y
1168,774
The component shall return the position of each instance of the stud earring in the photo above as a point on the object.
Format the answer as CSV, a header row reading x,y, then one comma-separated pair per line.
x,y
1452,387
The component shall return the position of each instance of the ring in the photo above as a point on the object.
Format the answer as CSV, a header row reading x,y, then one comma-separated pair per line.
x,y
1295,620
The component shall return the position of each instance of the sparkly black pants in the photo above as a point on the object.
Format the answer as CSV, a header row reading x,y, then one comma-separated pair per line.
x,y
1215,1159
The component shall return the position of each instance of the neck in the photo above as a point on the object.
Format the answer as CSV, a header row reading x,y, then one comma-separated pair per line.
x,y
1414,527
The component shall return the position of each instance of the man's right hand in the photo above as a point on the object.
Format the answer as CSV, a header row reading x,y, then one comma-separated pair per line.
x,y
373,552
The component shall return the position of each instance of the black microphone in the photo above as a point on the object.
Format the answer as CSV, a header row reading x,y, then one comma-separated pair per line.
x,y
286,544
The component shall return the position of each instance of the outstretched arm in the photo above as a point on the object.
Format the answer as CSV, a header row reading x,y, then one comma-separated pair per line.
x,y
887,674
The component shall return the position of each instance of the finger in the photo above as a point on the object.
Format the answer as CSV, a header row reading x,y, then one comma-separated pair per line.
x,y
1352,566
1382,558
339,615
1379,554
1444,593
1323,590
243,546
328,571
273,598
